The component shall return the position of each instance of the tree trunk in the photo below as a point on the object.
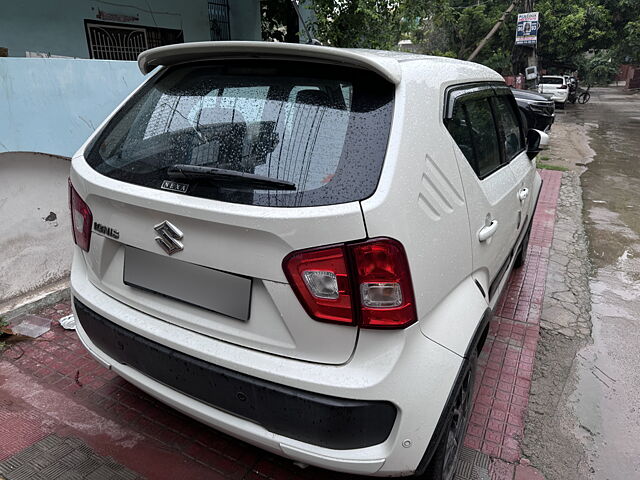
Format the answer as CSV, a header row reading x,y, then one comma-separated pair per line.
x,y
492,32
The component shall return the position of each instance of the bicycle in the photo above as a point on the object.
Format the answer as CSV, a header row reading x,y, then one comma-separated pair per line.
x,y
584,96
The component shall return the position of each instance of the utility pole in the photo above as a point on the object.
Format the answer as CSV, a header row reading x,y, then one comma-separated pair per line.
x,y
532,54
484,41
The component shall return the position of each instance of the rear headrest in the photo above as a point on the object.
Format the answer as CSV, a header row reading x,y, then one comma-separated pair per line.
x,y
313,97
211,115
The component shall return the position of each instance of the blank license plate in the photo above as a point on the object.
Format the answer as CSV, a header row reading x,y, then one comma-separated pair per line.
x,y
204,287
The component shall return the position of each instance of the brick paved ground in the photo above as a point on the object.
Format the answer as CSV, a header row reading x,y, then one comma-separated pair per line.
x,y
496,426
52,386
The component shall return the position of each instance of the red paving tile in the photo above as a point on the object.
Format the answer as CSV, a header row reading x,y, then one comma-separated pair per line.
x,y
159,442
496,426
527,473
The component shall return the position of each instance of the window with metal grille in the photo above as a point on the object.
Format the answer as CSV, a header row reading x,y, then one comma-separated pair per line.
x,y
219,19
112,41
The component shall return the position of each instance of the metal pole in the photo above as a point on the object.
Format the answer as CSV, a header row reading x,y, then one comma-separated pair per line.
x,y
484,41
310,39
532,54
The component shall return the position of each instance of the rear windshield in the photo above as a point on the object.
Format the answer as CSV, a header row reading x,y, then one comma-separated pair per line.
x,y
552,80
320,127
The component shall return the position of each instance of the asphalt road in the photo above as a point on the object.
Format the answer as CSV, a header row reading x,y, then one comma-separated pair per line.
x,y
607,397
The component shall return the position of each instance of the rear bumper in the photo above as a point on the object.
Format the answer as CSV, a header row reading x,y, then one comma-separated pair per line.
x,y
558,96
322,420
402,368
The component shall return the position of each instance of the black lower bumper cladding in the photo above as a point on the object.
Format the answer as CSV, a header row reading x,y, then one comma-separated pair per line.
x,y
313,418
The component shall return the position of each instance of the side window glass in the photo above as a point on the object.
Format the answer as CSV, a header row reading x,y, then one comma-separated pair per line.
x,y
459,129
513,141
484,135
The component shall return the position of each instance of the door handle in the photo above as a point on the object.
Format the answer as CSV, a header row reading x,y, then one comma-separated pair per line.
x,y
523,194
488,231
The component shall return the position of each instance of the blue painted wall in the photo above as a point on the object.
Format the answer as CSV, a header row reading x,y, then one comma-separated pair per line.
x,y
57,27
52,105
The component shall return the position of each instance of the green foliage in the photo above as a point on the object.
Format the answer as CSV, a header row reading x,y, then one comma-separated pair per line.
x,y
455,27
569,29
629,47
279,21
547,166
599,69
360,23
500,61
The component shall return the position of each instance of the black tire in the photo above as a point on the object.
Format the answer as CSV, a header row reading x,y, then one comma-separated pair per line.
x,y
444,462
522,253
584,98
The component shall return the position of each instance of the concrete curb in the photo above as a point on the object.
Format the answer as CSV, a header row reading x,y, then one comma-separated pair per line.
x,y
37,300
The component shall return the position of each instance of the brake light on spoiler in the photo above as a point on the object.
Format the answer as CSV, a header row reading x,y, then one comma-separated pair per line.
x,y
365,283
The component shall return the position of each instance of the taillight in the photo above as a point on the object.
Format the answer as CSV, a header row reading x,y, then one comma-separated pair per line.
x,y
563,87
81,219
384,284
366,283
320,279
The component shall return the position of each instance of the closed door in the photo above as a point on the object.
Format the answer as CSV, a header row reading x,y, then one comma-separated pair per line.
x,y
511,133
489,184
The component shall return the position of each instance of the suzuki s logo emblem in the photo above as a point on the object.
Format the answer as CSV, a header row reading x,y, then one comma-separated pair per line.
x,y
169,237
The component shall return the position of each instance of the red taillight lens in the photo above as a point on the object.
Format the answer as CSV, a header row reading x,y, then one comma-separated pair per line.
x,y
365,283
81,219
320,279
384,283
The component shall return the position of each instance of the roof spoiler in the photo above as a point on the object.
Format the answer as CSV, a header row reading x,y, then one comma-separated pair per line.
x,y
188,52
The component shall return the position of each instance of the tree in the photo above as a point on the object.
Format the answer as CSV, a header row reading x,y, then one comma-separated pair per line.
x,y
454,28
279,21
599,69
570,29
360,23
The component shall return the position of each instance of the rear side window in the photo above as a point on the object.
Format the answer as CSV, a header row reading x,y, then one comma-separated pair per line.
x,y
507,117
320,127
552,80
473,128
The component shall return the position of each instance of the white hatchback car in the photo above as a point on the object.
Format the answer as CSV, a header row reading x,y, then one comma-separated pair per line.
x,y
557,86
301,246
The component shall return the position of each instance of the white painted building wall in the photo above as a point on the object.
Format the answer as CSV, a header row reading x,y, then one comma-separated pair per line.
x,y
35,229
48,108
57,27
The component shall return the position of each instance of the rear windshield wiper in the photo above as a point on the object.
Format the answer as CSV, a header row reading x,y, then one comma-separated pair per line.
x,y
220,175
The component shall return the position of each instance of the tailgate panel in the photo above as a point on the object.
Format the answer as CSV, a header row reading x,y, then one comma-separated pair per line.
x,y
246,242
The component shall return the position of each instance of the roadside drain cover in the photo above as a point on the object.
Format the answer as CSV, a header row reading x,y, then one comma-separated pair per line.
x,y
472,465
59,458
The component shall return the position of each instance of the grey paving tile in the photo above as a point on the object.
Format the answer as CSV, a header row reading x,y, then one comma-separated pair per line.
x,y
59,458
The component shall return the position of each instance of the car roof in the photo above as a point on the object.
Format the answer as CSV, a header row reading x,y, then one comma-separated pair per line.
x,y
389,64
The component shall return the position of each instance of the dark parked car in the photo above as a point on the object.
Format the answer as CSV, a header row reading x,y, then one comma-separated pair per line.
x,y
537,109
